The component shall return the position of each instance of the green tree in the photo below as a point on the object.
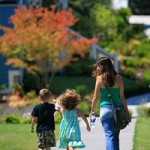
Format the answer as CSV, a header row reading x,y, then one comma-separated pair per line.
x,y
105,22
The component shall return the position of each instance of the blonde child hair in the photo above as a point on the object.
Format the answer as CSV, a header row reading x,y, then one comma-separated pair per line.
x,y
69,99
44,94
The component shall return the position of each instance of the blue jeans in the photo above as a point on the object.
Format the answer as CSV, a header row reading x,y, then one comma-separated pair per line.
x,y
111,135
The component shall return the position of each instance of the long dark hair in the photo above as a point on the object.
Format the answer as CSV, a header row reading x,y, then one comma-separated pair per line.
x,y
108,71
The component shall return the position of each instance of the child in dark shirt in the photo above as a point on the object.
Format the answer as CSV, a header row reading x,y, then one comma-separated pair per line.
x,y
44,115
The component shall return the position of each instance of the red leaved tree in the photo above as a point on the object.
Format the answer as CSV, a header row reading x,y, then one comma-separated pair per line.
x,y
40,42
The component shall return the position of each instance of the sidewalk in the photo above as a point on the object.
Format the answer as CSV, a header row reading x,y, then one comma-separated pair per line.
x,y
95,140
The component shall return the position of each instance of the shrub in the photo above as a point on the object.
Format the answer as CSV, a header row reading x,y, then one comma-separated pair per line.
x,y
25,120
84,107
12,119
131,71
82,90
57,118
143,111
3,87
31,95
17,88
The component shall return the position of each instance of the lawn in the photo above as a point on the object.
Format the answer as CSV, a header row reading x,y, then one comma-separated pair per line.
x,y
18,137
142,134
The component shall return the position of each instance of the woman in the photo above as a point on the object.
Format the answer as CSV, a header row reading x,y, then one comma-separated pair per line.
x,y
107,76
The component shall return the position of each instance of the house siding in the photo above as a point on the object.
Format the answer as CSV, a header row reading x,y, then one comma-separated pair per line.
x,y
6,10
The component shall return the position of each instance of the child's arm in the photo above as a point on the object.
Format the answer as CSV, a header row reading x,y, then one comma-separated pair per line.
x,y
84,118
34,119
57,108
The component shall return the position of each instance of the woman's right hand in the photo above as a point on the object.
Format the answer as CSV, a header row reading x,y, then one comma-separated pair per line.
x,y
88,128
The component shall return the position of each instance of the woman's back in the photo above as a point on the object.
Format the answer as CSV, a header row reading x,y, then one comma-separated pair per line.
x,y
114,92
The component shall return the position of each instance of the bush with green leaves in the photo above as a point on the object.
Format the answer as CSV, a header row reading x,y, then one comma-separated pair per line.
x,y
143,111
17,88
2,87
82,90
14,119
31,95
84,107
57,118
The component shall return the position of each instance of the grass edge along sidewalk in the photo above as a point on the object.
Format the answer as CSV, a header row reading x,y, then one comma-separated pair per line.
x,y
142,134
18,136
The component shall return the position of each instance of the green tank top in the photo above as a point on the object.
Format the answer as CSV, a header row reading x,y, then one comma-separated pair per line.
x,y
104,100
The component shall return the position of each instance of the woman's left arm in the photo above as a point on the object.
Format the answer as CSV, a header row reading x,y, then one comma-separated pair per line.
x,y
96,93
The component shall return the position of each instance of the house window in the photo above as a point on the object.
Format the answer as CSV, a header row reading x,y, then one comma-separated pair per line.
x,y
14,77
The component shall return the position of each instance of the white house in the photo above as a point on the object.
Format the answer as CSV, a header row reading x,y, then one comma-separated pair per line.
x,y
141,19
117,4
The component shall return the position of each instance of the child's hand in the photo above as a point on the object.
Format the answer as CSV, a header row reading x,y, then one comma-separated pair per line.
x,y
54,101
88,128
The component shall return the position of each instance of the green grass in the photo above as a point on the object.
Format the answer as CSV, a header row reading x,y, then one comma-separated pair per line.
x,y
142,134
19,137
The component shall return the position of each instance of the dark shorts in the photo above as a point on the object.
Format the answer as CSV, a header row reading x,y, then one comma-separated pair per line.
x,y
46,139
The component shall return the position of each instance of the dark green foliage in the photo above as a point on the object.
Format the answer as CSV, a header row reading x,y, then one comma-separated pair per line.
x,y
80,67
57,118
85,26
82,90
25,120
85,107
2,87
140,7
143,111
47,3
13,119
84,6
29,82
142,50
146,76
61,83
31,95
131,71
131,62
17,88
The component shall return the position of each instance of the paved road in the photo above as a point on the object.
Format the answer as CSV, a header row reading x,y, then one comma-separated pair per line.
x,y
95,139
